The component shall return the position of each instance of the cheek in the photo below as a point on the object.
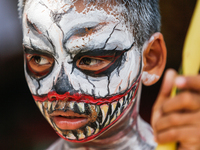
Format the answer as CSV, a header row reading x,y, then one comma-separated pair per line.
x,y
42,86
81,82
119,81
123,78
101,117
32,83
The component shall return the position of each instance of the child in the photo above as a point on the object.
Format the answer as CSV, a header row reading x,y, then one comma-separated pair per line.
x,y
85,61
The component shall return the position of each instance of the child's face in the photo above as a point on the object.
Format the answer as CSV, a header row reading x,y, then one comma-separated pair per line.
x,y
81,65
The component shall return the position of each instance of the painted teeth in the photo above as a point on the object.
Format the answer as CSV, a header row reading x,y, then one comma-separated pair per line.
x,y
125,104
39,104
113,105
87,109
126,97
118,112
80,135
106,114
76,108
89,130
108,121
54,103
60,105
97,128
56,128
92,108
97,109
114,117
81,107
45,104
104,110
71,105
70,136
121,102
49,107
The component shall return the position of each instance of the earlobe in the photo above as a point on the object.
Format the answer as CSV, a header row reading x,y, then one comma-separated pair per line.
x,y
154,59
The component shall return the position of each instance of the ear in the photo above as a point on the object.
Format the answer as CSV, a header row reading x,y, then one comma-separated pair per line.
x,y
154,59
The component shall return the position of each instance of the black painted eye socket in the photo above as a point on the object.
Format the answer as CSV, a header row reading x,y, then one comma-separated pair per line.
x,y
90,63
98,64
39,65
86,61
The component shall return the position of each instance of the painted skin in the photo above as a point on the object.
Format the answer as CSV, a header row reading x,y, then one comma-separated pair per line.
x,y
79,73
36,86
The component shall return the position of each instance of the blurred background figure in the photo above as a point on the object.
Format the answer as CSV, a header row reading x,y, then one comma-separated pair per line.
x,y
21,124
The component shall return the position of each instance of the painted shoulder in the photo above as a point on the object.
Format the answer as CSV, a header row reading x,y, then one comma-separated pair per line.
x,y
146,132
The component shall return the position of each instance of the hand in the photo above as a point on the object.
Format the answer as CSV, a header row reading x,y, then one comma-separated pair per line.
x,y
177,119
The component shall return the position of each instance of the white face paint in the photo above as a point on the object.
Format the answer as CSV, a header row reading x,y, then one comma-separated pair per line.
x,y
149,78
81,67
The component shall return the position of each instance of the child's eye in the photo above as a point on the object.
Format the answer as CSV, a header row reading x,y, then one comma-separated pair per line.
x,y
40,60
93,63
89,61
39,65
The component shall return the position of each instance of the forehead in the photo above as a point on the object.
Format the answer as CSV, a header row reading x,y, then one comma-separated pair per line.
x,y
80,6
77,24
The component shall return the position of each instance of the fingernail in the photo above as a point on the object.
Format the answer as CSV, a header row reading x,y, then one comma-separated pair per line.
x,y
180,81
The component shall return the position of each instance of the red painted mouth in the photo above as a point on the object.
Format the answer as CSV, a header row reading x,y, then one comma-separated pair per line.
x,y
95,135
72,124
78,97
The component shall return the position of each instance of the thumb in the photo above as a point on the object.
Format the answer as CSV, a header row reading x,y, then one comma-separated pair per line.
x,y
164,93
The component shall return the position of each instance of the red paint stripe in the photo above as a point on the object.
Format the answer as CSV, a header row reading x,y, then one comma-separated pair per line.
x,y
105,68
102,130
52,96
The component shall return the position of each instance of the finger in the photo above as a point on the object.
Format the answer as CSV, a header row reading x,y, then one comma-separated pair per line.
x,y
184,101
188,83
177,119
187,134
165,91
168,83
189,146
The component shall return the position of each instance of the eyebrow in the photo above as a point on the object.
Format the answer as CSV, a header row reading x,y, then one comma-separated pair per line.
x,y
83,30
34,27
100,52
36,50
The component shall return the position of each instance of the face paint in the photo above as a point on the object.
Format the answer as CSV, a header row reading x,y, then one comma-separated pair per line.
x,y
149,78
82,67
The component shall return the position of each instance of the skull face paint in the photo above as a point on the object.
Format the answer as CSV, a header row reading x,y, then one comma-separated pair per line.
x,y
81,65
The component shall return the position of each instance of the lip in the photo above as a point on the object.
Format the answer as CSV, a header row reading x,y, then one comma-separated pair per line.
x,y
69,120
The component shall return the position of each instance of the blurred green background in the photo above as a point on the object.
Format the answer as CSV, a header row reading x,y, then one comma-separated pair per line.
x,y
22,127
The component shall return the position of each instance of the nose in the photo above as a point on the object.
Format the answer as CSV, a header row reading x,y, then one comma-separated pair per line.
x,y
62,84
